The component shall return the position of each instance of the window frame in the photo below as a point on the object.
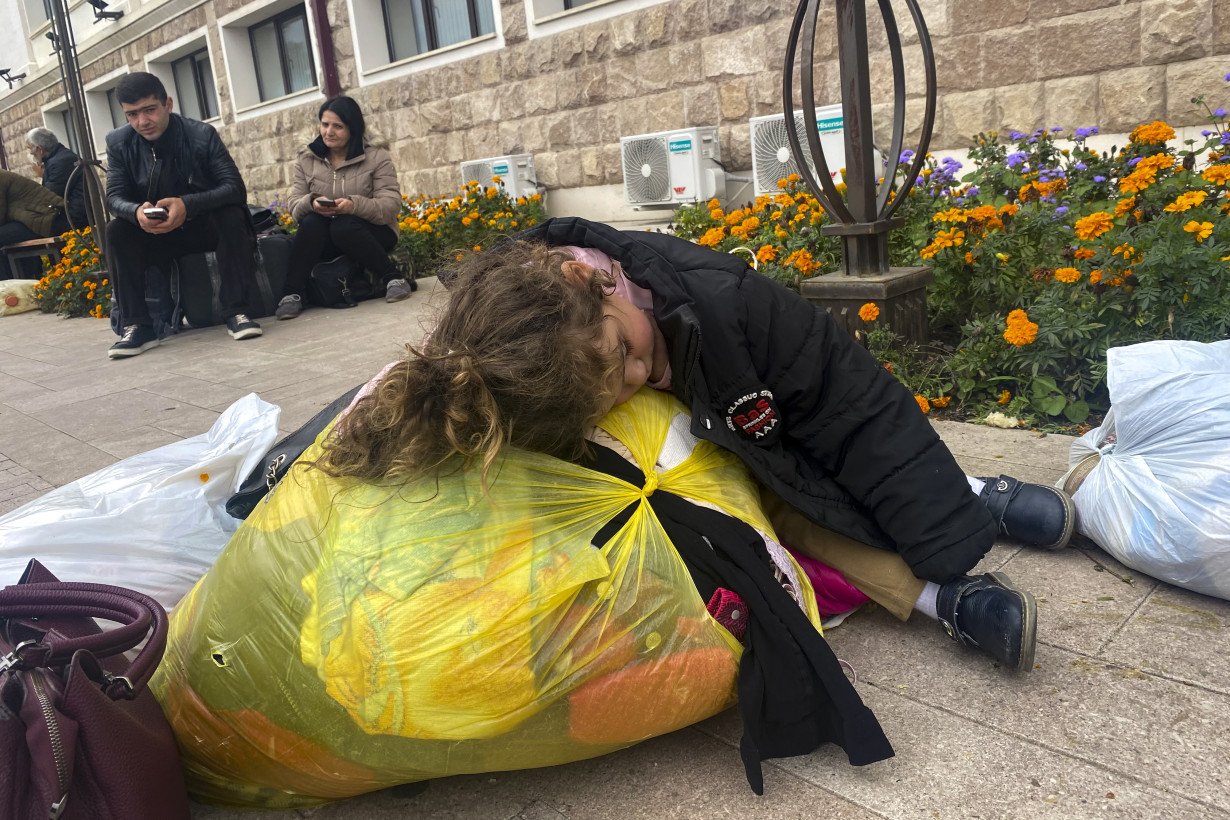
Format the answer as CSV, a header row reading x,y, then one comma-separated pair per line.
x,y
198,80
294,12
432,30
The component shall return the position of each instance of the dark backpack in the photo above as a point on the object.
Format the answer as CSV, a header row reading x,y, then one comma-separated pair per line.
x,y
339,283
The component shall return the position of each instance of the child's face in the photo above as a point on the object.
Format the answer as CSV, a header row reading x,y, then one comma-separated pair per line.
x,y
626,329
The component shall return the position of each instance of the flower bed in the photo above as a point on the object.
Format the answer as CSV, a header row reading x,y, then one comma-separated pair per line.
x,y
1045,254
76,285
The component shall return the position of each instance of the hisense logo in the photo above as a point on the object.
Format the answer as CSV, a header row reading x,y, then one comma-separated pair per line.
x,y
680,145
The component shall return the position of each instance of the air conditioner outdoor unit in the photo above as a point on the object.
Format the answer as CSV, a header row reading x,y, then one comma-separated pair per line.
x,y
771,157
515,171
672,167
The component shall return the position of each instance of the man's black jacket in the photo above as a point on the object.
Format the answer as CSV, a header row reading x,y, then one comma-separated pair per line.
x,y
197,155
775,380
58,167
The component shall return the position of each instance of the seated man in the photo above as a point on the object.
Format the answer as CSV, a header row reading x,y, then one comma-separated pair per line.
x,y
174,190
56,163
27,211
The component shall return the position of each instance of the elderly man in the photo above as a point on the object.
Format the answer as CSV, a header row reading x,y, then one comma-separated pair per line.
x,y
27,211
56,163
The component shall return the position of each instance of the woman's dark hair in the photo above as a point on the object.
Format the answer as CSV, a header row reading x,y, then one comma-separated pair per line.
x,y
348,111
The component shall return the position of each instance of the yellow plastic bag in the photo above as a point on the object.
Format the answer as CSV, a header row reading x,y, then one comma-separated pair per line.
x,y
352,636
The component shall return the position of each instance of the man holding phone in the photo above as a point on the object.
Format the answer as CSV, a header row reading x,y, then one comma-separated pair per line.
x,y
174,190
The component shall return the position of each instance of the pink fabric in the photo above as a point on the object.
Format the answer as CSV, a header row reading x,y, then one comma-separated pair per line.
x,y
834,594
730,610
637,295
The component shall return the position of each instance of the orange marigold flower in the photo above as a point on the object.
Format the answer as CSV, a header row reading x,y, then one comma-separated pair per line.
x,y
712,237
1217,174
950,215
1152,133
1083,253
1020,331
1094,225
1185,202
1202,230
969,257
1123,206
941,401
923,404
767,253
869,312
1095,276
1067,275
1005,396
1009,210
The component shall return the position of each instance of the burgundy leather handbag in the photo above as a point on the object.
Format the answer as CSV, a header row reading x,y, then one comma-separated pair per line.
x,y
81,736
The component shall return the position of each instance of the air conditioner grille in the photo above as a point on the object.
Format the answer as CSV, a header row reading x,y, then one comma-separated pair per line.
x,y
646,170
771,147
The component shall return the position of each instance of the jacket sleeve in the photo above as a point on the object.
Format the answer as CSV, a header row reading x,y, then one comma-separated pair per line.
x,y
300,193
847,416
121,188
228,187
382,207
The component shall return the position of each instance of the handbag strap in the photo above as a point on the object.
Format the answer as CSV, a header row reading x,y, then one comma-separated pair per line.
x,y
136,613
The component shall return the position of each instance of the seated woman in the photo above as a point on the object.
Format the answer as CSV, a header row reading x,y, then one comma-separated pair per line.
x,y
346,200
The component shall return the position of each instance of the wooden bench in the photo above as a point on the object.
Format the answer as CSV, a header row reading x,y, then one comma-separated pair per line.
x,y
49,247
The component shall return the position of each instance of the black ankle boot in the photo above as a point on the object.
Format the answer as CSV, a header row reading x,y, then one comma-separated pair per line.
x,y
988,612
1030,514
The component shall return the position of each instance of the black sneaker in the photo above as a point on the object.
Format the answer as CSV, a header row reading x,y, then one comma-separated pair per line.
x,y
290,306
989,613
1030,514
241,327
136,340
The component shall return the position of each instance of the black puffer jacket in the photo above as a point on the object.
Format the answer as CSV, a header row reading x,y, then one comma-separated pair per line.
x,y
772,378
58,177
197,156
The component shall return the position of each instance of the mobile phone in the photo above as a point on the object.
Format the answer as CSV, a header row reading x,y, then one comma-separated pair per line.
x,y
156,214
326,202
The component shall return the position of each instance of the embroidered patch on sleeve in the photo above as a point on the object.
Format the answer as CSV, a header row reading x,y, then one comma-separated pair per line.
x,y
755,417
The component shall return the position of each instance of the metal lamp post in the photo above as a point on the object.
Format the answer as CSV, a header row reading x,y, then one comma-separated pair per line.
x,y
865,216
65,45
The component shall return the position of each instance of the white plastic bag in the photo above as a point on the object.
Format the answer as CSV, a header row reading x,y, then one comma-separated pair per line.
x,y
1159,498
154,522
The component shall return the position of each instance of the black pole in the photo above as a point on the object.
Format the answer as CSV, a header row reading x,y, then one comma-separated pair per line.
x,y
65,45
865,216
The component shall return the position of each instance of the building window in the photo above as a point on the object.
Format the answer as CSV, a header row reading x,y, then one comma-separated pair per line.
x,y
415,27
61,124
282,53
114,108
194,86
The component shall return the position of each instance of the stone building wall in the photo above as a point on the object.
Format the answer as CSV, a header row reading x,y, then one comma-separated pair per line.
x,y
567,98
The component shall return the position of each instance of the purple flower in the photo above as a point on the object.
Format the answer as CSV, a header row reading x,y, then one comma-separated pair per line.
x,y
971,190
1061,210
1219,113
1133,161
1225,138
1099,178
1228,76
1080,166
1017,135
1206,133
1032,140
1056,129
1082,133
1015,158
907,156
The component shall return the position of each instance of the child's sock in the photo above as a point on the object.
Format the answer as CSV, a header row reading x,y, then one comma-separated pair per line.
x,y
975,484
926,601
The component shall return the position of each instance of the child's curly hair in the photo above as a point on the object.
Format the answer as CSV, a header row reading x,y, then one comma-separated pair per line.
x,y
516,359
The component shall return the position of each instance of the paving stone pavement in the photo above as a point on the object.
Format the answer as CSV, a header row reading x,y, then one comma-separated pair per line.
x,y
1126,714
